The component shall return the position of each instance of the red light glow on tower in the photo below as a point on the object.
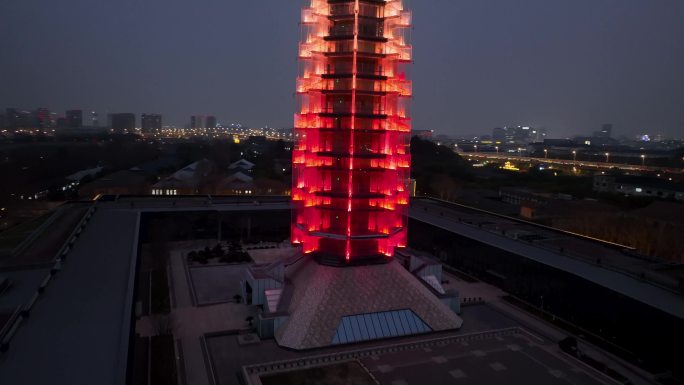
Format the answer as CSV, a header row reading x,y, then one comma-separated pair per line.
x,y
351,162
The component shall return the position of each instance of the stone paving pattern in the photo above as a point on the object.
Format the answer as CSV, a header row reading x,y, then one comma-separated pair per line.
x,y
514,359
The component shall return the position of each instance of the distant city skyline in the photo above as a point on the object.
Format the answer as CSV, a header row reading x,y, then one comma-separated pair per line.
x,y
570,67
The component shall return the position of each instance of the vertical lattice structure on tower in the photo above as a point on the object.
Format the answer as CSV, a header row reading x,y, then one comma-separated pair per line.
x,y
351,161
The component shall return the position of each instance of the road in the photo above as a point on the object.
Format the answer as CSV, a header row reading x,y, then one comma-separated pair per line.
x,y
572,163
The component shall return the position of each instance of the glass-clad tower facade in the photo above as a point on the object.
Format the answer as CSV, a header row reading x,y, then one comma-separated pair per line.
x,y
351,161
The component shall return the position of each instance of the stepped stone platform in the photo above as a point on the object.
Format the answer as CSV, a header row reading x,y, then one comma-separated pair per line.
x,y
323,295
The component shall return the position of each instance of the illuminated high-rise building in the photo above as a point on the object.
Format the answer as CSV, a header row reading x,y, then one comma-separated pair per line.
x,y
351,161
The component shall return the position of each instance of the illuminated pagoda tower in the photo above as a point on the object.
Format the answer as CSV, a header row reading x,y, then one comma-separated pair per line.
x,y
351,161
350,193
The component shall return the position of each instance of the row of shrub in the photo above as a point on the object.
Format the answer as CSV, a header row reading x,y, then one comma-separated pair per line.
x,y
262,247
234,254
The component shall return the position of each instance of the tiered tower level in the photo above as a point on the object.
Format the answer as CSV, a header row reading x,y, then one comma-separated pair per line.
x,y
351,161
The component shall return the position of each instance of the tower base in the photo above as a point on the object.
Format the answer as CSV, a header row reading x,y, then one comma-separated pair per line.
x,y
318,305
337,261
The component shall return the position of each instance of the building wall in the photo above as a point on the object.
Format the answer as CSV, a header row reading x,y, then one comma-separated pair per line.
x,y
613,184
259,287
618,319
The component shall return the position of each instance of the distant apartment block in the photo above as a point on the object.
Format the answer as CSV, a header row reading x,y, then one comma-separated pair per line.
x,y
196,122
74,118
122,123
151,122
43,118
210,122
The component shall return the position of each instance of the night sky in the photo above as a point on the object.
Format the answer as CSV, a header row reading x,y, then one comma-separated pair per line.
x,y
568,65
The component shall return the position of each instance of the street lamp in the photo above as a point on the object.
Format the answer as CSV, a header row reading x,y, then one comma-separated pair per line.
x,y
497,149
574,155
643,159
519,152
607,156
546,153
475,147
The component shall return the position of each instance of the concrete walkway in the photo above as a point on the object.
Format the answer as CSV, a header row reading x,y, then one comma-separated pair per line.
x,y
197,321
196,372
179,279
190,323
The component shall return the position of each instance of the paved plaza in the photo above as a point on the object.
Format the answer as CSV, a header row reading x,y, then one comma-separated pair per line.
x,y
216,284
507,356
487,361
202,300
514,359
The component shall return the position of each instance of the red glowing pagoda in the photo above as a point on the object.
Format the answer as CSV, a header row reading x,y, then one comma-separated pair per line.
x,y
351,161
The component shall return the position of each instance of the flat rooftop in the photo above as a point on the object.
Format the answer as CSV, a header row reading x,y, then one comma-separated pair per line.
x,y
599,262
77,332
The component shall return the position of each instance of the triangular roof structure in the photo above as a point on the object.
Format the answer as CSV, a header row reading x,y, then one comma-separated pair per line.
x,y
242,163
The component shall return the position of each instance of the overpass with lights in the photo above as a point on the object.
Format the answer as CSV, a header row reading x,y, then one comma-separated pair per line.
x,y
585,165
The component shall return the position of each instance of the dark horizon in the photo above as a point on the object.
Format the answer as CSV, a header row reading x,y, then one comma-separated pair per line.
x,y
568,67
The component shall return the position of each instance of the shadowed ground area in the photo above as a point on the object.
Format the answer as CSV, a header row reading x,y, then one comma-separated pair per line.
x,y
12,237
348,373
215,284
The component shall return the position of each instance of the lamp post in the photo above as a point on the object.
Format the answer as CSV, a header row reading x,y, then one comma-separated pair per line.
x,y
475,147
643,160
497,149
607,156
546,153
574,155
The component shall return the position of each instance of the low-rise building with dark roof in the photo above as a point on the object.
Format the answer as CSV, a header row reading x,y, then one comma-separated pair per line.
x,y
158,166
241,165
641,186
238,183
192,179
